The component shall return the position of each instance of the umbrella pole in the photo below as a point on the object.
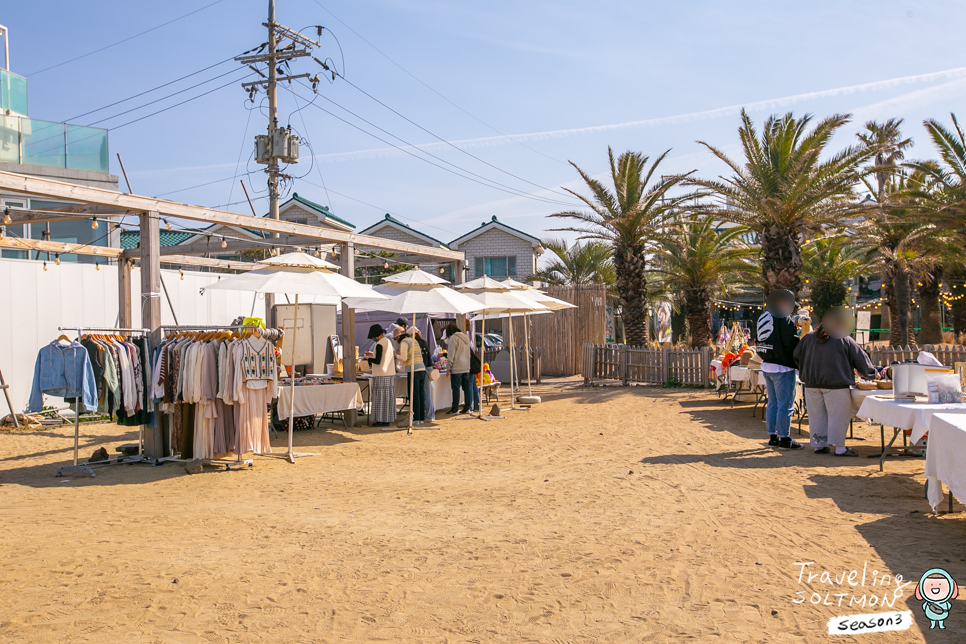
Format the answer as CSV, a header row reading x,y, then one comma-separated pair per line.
x,y
412,376
512,364
291,405
526,333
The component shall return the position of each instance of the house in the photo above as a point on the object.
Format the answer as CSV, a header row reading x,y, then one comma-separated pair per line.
x,y
499,251
51,150
391,228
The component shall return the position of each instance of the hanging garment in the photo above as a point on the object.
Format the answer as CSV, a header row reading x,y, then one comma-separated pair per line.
x,y
63,371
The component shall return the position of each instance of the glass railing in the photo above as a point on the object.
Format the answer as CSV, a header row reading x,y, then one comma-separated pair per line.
x,y
13,92
27,141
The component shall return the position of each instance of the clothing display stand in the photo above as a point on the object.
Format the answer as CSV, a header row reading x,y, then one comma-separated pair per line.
x,y
239,462
86,467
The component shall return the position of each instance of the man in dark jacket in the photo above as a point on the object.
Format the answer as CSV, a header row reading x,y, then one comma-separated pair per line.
x,y
777,339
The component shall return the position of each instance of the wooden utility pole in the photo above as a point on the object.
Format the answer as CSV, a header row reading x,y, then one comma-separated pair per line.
x,y
124,319
347,254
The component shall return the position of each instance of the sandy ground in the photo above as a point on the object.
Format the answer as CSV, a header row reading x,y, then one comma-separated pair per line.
x,y
603,515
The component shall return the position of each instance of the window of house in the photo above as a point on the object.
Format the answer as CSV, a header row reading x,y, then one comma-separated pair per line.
x,y
496,267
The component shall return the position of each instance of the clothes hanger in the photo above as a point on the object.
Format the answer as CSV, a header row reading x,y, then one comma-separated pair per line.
x,y
64,338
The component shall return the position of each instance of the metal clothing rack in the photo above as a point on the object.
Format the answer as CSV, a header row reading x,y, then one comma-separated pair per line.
x,y
86,469
239,461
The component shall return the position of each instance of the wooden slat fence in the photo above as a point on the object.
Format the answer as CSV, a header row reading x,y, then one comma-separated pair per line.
x,y
948,354
562,334
646,365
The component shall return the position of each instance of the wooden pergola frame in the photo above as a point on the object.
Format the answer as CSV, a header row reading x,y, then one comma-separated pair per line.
x,y
89,202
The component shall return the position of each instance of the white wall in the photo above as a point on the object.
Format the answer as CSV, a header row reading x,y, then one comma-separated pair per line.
x,y
33,303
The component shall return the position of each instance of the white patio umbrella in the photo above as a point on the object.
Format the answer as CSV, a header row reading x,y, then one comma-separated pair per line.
x,y
296,273
552,303
496,299
416,291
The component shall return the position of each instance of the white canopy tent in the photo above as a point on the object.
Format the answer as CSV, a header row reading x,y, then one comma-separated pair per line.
x,y
416,291
296,273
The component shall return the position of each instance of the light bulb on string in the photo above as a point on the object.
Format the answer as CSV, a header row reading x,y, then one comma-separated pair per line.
x,y
167,224
6,215
224,244
97,266
181,273
385,264
94,223
57,259
45,266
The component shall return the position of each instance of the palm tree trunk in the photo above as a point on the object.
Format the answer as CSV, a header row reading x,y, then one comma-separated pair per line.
x,y
781,260
631,268
901,322
699,316
931,332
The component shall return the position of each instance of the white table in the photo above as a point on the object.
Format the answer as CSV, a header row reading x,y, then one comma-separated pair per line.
x,y
311,400
914,417
946,458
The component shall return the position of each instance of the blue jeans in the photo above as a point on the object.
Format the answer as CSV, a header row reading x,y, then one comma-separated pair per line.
x,y
474,393
781,402
461,382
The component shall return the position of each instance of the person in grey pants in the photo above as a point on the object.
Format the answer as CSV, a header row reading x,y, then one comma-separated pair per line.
x,y
827,360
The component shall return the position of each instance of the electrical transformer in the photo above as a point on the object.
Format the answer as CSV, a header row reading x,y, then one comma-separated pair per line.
x,y
263,149
280,144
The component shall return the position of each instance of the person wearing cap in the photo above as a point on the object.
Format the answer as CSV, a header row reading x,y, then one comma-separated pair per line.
x,y
383,398
777,339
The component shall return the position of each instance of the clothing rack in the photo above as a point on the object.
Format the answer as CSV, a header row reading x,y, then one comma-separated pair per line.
x,y
239,461
85,469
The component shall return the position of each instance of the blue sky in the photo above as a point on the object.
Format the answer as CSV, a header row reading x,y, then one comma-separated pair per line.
x,y
563,79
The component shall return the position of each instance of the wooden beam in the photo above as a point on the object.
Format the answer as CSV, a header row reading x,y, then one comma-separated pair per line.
x,y
40,187
190,260
59,247
150,307
232,246
124,294
63,212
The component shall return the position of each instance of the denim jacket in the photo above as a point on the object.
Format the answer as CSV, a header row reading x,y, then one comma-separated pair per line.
x,y
64,372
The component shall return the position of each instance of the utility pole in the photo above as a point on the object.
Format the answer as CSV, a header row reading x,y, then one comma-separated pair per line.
x,y
278,144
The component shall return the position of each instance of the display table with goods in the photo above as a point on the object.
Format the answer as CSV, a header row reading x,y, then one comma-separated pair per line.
x,y
946,458
314,397
910,419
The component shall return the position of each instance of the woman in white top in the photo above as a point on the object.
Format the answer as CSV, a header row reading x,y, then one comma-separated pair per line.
x,y
383,399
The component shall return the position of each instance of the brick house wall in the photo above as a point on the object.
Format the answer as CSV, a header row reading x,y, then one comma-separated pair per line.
x,y
498,243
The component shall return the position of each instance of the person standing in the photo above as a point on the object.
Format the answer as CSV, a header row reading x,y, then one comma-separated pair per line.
x,y
458,360
411,355
383,399
828,359
777,340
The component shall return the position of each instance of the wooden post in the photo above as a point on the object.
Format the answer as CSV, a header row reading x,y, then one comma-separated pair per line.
x,y
347,253
623,361
458,279
665,364
124,319
150,306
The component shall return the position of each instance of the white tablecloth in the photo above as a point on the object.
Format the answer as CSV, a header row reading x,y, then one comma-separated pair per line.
x,y
905,415
946,457
319,399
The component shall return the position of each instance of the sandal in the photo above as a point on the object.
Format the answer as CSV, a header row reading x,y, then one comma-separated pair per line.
x,y
847,452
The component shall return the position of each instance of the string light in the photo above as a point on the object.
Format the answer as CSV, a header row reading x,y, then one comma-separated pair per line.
x,y
94,223
224,244
318,253
167,224
97,266
6,215
181,273
385,264
45,266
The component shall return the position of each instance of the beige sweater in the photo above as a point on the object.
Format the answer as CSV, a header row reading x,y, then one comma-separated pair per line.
x,y
387,366
458,353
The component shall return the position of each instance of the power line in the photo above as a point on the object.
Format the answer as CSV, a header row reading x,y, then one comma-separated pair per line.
x,y
119,42
452,145
424,84
158,100
153,89
489,183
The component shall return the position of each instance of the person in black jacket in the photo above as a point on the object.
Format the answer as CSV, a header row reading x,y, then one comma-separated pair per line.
x,y
777,339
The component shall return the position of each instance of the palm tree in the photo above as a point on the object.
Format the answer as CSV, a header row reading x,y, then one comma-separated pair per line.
x,y
895,234
784,191
827,263
632,219
889,146
699,259
581,263
949,203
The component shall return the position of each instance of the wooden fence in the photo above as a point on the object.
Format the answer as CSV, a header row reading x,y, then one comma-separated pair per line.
x,y
645,365
561,334
948,354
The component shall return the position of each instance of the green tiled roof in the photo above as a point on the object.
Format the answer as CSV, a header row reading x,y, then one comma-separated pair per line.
x,y
131,238
320,208
495,221
389,217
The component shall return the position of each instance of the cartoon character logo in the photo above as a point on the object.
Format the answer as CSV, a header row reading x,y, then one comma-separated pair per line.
x,y
936,590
